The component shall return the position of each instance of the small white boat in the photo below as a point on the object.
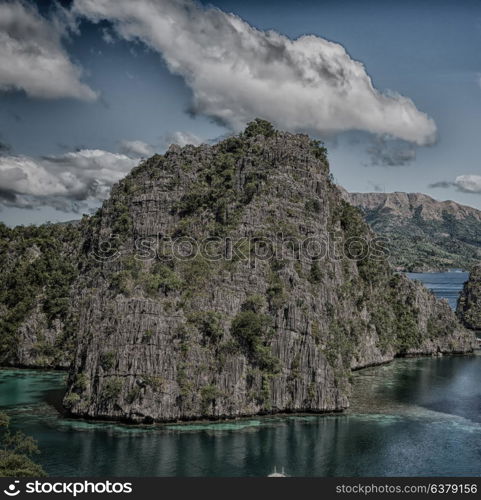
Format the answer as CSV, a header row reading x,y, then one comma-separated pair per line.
x,y
277,474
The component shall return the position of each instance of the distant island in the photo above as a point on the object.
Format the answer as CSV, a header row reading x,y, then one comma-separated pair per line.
x,y
423,234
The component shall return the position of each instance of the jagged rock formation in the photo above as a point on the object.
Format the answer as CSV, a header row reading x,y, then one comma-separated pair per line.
x,y
167,338
469,303
250,321
38,266
423,234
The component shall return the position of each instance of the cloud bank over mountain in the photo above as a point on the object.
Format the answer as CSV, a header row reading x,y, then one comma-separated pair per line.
x,y
237,72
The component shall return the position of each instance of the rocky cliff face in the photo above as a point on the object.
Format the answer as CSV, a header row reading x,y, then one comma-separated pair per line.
x,y
38,267
217,281
423,234
195,312
469,303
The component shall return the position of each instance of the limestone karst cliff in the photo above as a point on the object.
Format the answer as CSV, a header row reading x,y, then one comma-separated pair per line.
x,y
469,303
38,267
233,279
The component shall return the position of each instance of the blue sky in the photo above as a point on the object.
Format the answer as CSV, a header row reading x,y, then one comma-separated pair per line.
x,y
125,90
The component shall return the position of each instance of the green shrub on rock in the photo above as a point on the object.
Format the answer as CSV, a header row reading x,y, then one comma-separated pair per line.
x,y
112,389
16,451
253,331
259,127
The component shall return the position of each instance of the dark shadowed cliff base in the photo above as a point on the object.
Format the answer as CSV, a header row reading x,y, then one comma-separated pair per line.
x,y
218,282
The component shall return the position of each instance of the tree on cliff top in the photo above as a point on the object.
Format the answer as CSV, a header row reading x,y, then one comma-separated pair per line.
x,y
259,127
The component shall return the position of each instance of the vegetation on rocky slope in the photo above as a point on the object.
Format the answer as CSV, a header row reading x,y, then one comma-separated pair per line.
x,y
286,292
16,452
238,328
37,269
423,234
469,304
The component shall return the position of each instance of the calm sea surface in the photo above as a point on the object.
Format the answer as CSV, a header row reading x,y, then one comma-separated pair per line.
x,y
412,417
444,285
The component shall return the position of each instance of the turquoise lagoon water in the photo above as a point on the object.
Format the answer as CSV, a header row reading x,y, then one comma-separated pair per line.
x,y
417,416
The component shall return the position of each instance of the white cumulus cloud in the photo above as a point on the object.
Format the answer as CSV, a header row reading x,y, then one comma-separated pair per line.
x,y
182,139
468,183
237,72
32,58
136,148
61,181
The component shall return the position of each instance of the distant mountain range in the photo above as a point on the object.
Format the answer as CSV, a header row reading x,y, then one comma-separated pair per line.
x,y
423,234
